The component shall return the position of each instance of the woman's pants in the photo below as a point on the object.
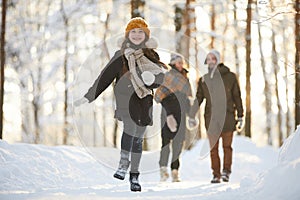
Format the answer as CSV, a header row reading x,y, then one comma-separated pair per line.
x,y
177,144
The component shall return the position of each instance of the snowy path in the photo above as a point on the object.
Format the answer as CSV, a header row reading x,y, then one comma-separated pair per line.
x,y
66,172
182,190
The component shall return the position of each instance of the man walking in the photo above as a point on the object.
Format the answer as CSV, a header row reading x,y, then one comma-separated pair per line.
x,y
223,110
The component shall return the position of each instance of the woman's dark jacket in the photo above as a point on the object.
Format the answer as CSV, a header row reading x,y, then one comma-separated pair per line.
x,y
178,105
128,104
223,99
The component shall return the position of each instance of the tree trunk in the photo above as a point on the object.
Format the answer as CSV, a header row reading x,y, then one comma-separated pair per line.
x,y
198,134
248,70
3,23
106,53
212,24
66,24
137,8
267,91
182,23
276,71
184,15
288,115
235,48
178,21
186,43
37,137
297,63
224,45
36,107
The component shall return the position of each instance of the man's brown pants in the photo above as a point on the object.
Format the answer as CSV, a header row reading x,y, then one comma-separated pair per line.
x,y
214,152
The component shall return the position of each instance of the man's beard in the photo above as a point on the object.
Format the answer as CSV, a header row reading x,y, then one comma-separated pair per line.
x,y
211,66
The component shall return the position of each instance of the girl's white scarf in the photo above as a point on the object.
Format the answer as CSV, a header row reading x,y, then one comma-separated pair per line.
x,y
136,58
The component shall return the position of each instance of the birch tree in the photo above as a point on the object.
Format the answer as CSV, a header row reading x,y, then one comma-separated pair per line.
x,y
267,90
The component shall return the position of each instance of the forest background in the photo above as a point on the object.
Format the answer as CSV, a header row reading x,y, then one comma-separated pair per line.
x,y
54,49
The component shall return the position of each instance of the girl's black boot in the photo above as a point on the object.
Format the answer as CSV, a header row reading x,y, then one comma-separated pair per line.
x,y
134,182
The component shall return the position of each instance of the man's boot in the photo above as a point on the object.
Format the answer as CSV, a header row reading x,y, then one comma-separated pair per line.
x,y
225,175
134,182
123,166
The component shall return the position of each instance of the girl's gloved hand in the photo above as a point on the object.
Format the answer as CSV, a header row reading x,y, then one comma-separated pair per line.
x,y
78,102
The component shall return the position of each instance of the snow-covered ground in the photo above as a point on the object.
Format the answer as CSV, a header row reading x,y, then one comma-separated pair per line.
x,y
65,172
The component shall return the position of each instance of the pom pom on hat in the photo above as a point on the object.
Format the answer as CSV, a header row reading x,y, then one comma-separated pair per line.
x,y
137,22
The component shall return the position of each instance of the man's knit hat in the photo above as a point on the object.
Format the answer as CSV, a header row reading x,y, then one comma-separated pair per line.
x,y
137,22
216,54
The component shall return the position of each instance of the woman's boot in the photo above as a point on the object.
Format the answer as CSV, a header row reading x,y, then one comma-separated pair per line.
x,y
164,175
134,182
175,175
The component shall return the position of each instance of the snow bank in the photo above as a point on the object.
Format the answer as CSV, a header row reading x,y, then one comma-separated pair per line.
x,y
282,181
37,167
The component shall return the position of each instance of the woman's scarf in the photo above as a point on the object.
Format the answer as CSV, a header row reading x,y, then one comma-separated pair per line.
x,y
174,82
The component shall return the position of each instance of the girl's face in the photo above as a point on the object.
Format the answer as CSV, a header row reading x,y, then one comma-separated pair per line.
x,y
211,60
137,36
